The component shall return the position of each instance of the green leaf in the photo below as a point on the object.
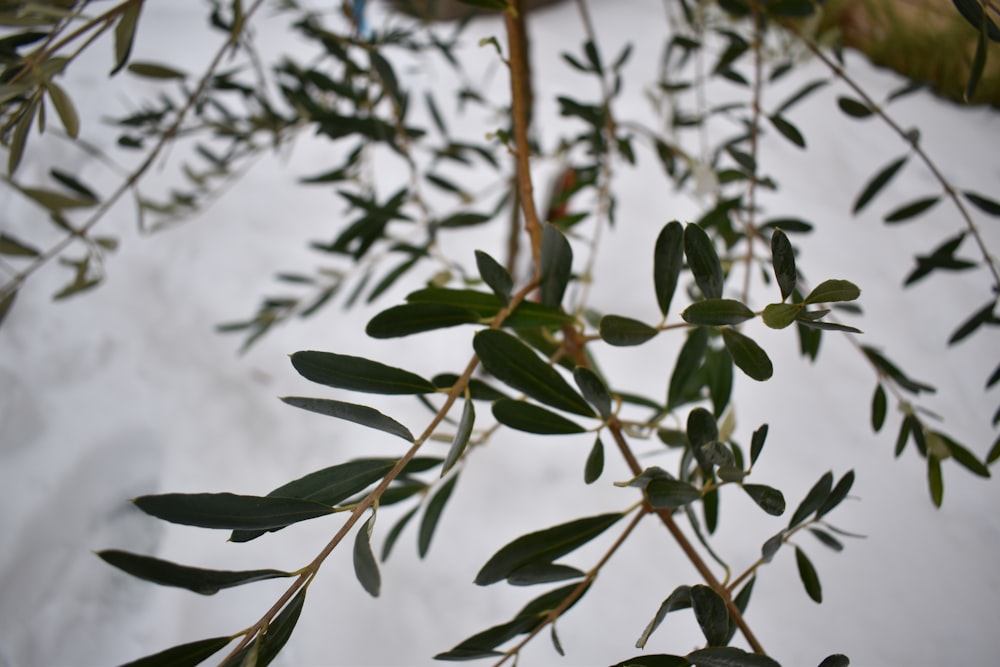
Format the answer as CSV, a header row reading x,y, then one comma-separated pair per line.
x,y
433,514
807,573
150,70
359,414
198,580
479,390
542,573
879,181
5,305
11,246
595,463
717,312
73,184
64,107
729,656
780,315
532,418
125,35
767,498
771,546
270,643
556,266
230,511
689,360
593,390
494,275
411,318
462,435
668,259
787,130
935,481
703,261
624,331
365,566
741,601
984,204
978,62
879,408
55,201
701,428
830,291
358,374
835,660
854,108
515,364
658,660
19,137
679,598
747,355
783,261
487,4
396,531
980,317
544,546
827,539
711,614
837,495
666,493
911,210
757,443
527,315
184,655
890,369
964,457
814,500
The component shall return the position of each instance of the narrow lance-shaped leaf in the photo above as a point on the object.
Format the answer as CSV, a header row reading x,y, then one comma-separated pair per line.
x,y
814,499
810,580
703,261
494,275
879,408
748,355
64,107
978,61
15,248
767,498
935,481
593,389
680,598
595,463
433,514
5,304
665,493
757,443
837,495
557,264
198,580
358,374
359,414
711,614
514,363
911,210
729,656
396,531
544,546
184,655
412,318
532,418
462,435
984,204
125,35
230,511
830,291
668,258
879,181
365,566
788,130
783,261
625,331
717,312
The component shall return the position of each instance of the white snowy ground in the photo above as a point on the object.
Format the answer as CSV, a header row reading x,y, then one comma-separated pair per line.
x,y
128,390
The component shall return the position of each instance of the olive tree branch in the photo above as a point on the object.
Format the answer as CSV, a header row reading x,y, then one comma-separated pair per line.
x,y
575,594
309,571
520,88
80,232
913,141
666,517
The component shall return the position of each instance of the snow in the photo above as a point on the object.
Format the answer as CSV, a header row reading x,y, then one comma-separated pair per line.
x,y
128,390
